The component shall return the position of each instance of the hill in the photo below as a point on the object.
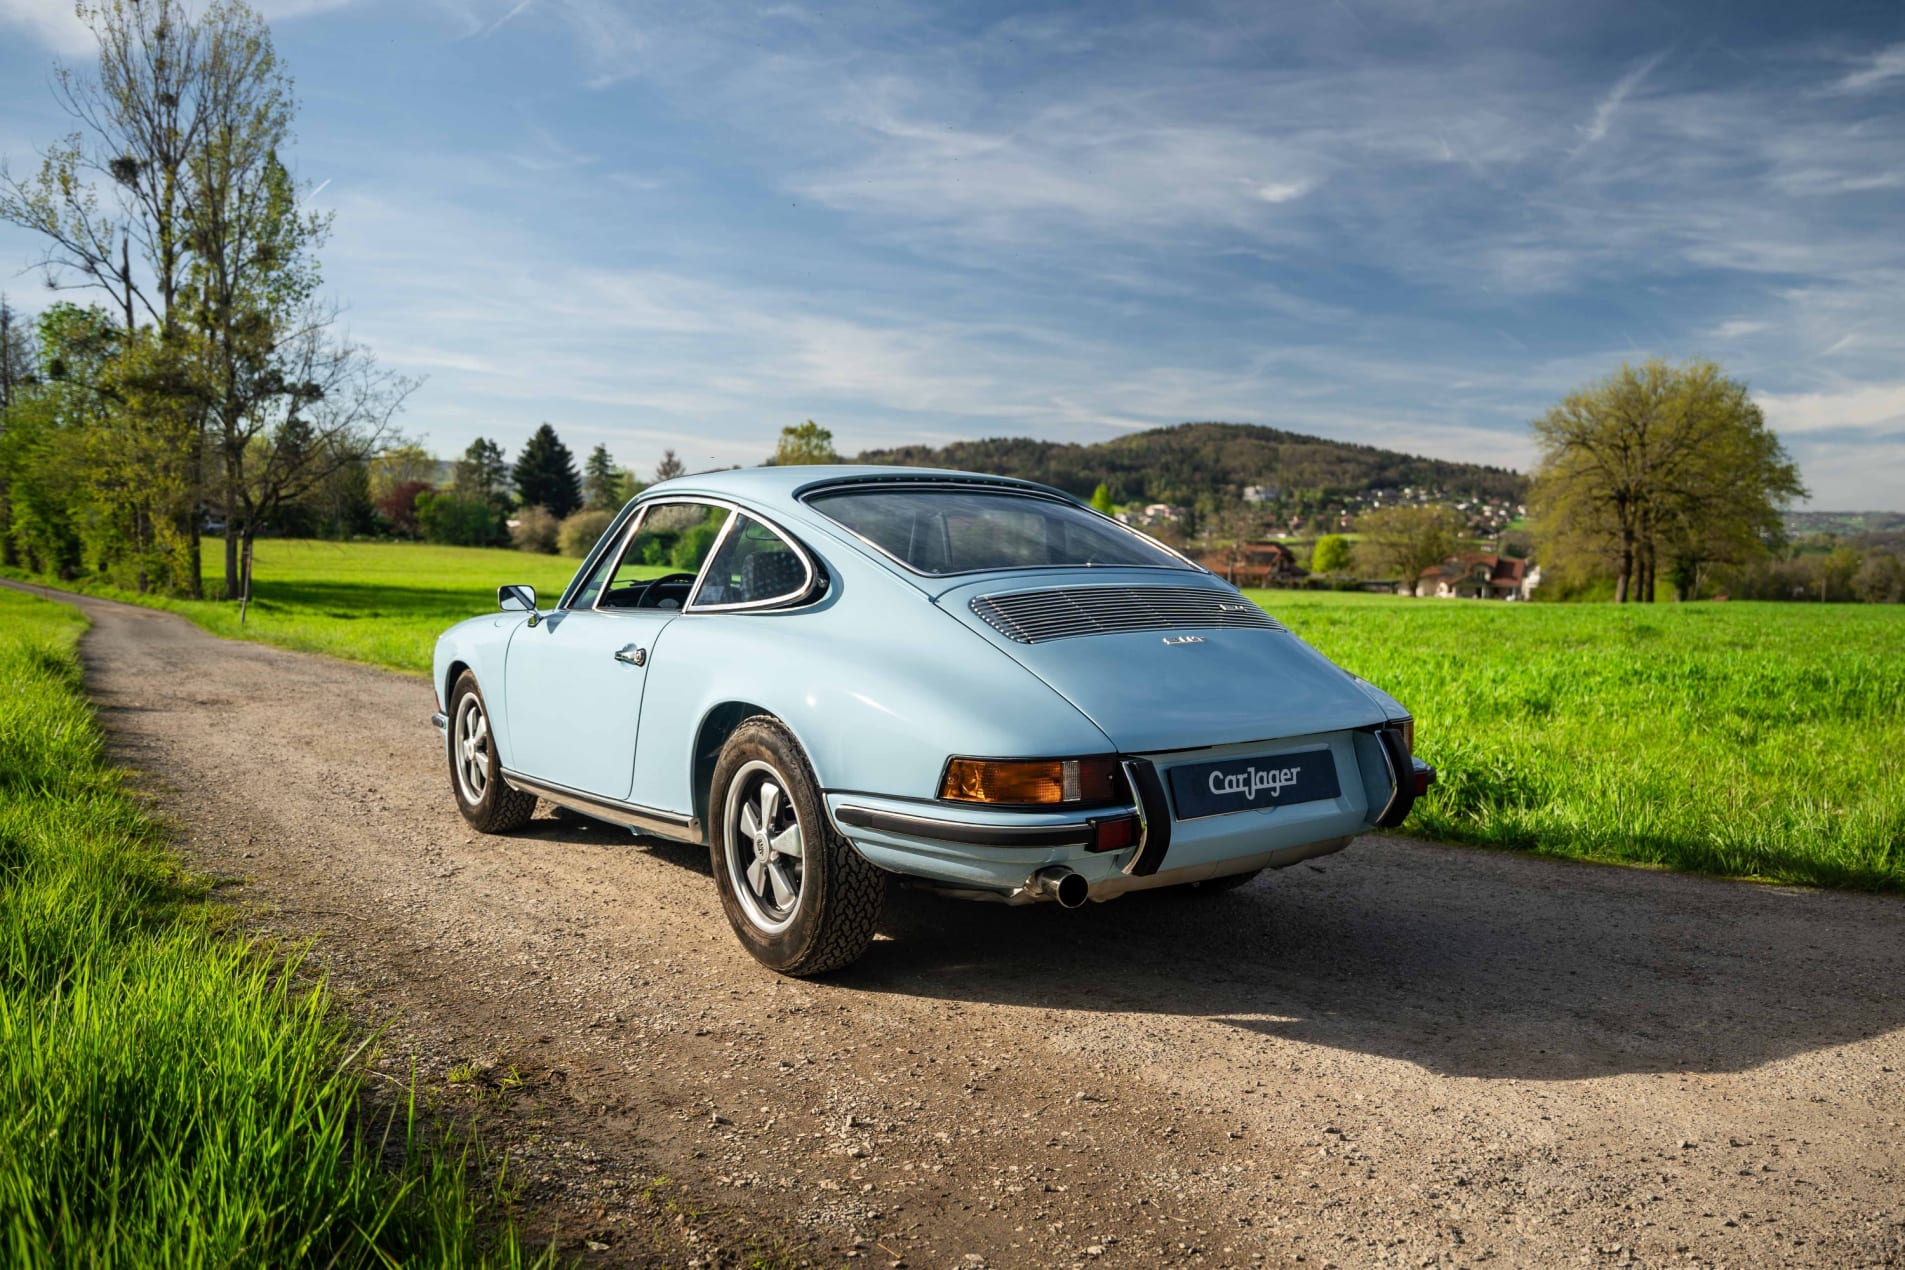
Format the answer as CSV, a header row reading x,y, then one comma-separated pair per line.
x,y
1178,464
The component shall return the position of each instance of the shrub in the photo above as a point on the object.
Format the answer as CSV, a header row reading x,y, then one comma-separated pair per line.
x,y
580,531
460,522
534,529
692,547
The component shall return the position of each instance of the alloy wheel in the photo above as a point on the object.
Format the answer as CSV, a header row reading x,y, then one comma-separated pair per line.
x,y
471,758
765,849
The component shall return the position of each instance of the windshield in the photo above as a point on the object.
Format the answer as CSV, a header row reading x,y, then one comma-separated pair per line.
x,y
940,531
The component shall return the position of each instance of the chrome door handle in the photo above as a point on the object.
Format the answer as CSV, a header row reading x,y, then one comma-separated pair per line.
x,y
631,655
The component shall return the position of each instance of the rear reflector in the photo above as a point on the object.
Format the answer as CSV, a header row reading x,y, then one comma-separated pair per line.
x,y
1115,834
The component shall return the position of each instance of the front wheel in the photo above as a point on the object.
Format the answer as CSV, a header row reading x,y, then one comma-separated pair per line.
x,y
798,895
490,803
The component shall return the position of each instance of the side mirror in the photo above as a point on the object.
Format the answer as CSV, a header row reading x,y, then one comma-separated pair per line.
x,y
516,599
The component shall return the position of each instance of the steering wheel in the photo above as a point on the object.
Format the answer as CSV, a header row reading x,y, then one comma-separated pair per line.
x,y
641,601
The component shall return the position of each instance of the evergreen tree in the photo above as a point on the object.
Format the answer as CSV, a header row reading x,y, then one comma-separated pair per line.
x,y
546,475
669,468
601,481
482,474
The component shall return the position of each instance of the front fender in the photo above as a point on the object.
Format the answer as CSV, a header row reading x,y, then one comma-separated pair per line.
x,y
479,644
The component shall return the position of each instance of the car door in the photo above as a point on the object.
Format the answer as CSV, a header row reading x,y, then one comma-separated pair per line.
x,y
576,677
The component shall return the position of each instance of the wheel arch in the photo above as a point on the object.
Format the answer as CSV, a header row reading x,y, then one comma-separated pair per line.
x,y
450,676
717,725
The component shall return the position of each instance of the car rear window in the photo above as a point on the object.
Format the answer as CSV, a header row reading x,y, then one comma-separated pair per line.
x,y
941,531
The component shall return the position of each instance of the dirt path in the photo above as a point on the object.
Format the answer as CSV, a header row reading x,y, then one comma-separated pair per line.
x,y
1404,1055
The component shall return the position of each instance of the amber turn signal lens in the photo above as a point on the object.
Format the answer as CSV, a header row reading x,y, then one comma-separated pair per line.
x,y
1031,782
1409,735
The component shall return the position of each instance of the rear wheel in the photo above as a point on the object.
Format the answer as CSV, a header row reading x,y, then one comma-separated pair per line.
x,y
800,898
486,800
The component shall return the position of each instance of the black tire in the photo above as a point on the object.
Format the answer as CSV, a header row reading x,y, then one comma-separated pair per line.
x,y
490,803
835,894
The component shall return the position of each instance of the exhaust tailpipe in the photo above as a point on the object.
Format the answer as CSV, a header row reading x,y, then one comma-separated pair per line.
x,y
1061,884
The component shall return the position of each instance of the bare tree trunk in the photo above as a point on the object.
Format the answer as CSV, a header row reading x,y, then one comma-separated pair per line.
x,y
1622,584
125,271
231,543
244,602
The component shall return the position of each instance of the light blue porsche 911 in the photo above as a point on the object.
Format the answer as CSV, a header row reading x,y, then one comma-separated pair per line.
x,y
979,685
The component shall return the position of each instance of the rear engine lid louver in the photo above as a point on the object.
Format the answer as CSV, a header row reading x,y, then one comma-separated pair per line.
x,y
1036,617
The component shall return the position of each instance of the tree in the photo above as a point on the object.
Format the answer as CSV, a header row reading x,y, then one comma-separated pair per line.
x,y
482,474
401,463
669,468
1101,499
19,356
546,476
123,181
165,81
601,481
400,506
1658,464
460,522
1406,540
1331,555
804,443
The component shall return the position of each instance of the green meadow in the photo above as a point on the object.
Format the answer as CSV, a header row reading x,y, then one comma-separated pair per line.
x,y
1747,740
170,1094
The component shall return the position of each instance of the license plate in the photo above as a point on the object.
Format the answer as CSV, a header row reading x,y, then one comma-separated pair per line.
x,y
1247,784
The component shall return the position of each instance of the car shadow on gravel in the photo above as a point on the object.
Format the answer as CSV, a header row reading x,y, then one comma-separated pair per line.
x,y
1466,962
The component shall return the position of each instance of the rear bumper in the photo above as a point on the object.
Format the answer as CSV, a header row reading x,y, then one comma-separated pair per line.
x,y
994,854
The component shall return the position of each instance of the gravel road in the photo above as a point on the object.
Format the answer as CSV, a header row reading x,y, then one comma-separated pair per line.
x,y
1403,1055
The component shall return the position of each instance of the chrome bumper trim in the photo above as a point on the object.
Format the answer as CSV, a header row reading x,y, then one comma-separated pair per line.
x,y
441,722
660,824
905,824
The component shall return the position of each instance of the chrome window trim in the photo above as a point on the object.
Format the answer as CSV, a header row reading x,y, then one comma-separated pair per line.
x,y
787,599
796,598
632,512
1012,491
635,527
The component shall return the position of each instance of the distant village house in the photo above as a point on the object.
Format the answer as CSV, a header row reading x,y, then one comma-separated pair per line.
x,y
1256,564
1480,576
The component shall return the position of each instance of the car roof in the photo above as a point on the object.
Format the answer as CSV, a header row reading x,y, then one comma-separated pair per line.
x,y
783,486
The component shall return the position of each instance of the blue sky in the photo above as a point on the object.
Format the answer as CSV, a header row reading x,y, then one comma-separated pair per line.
x,y
1405,223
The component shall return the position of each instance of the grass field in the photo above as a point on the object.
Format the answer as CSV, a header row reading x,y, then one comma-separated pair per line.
x,y
169,1095
1750,740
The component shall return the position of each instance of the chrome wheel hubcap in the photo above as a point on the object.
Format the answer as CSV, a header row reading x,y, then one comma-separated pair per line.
x,y
470,749
766,854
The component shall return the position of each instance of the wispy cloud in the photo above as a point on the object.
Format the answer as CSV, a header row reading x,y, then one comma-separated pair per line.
x,y
1877,71
1609,106
687,225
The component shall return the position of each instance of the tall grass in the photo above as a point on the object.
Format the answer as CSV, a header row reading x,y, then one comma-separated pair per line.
x,y
171,1096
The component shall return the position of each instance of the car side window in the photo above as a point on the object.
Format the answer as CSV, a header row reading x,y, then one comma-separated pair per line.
x,y
755,565
672,539
585,595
